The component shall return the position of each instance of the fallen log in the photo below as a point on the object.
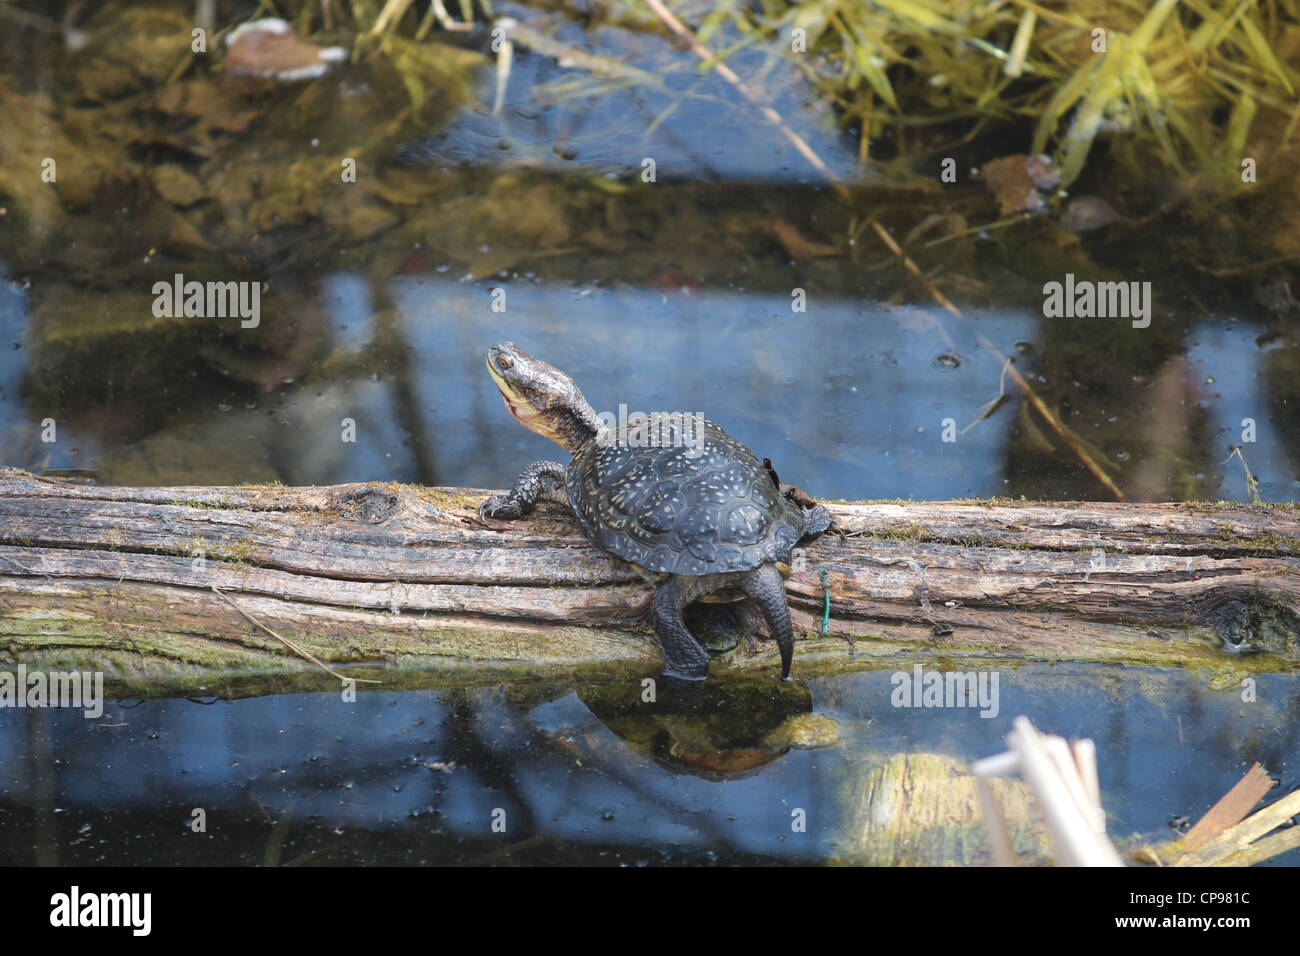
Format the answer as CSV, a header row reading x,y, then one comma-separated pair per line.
x,y
173,589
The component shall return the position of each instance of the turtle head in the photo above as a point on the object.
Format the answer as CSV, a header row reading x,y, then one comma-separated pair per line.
x,y
541,397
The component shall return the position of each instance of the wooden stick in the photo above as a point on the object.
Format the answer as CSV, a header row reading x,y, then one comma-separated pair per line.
x,y
1238,839
1231,808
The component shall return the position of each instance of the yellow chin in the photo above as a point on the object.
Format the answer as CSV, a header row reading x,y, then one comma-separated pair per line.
x,y
520,410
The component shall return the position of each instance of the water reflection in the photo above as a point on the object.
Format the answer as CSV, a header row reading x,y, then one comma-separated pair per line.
x,y
849,399
596,115
579,773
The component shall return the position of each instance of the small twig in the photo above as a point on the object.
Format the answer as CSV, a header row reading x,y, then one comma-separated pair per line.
x,y
1241,270
994,404
606,67
1252,483
288,643
393,11
446,20
701,51
986,227
1019,379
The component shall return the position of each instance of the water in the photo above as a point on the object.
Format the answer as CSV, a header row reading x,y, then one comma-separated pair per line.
x,y
416,777
685,294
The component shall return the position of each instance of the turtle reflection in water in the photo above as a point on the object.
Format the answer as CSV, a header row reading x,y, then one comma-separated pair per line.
x,y
696,509
730,728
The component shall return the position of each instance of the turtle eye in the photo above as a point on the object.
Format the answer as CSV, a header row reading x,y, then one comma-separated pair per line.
x,y
505,361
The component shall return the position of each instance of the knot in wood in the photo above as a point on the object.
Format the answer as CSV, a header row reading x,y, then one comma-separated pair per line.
x,y
370,505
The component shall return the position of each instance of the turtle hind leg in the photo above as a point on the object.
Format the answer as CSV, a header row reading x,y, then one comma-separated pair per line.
x,y
765,587
540,481
684,657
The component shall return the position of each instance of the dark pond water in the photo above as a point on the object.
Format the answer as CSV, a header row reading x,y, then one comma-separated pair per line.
x,y
416,777
672,295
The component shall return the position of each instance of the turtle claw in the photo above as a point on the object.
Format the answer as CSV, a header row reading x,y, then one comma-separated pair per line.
x,y
500,508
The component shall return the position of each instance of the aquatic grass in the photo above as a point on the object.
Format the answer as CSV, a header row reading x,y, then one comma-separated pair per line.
x,y
1191,78
1167,72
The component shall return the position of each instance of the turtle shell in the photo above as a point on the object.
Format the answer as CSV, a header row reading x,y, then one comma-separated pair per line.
x,y
703,507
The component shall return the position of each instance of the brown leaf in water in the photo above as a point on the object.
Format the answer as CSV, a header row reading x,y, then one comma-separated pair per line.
x,y
1016,180
269,48
797,246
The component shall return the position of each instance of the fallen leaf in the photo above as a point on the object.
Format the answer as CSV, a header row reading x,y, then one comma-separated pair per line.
x,y
1016,180
797,246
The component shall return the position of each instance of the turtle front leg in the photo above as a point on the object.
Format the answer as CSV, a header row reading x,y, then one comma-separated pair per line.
x,y
684,657
765,586
542,480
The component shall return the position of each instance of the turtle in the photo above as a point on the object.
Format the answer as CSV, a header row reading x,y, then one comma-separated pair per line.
x,y
687,505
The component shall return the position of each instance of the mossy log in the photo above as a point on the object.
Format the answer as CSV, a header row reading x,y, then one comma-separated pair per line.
x,y
385,581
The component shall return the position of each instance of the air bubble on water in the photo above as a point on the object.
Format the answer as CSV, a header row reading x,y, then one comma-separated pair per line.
x,y
946,362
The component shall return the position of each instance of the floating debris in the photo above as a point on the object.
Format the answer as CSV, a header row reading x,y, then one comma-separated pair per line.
x,y
1016,181
1226,836
1089,212
1063,778
269,48
1277,297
